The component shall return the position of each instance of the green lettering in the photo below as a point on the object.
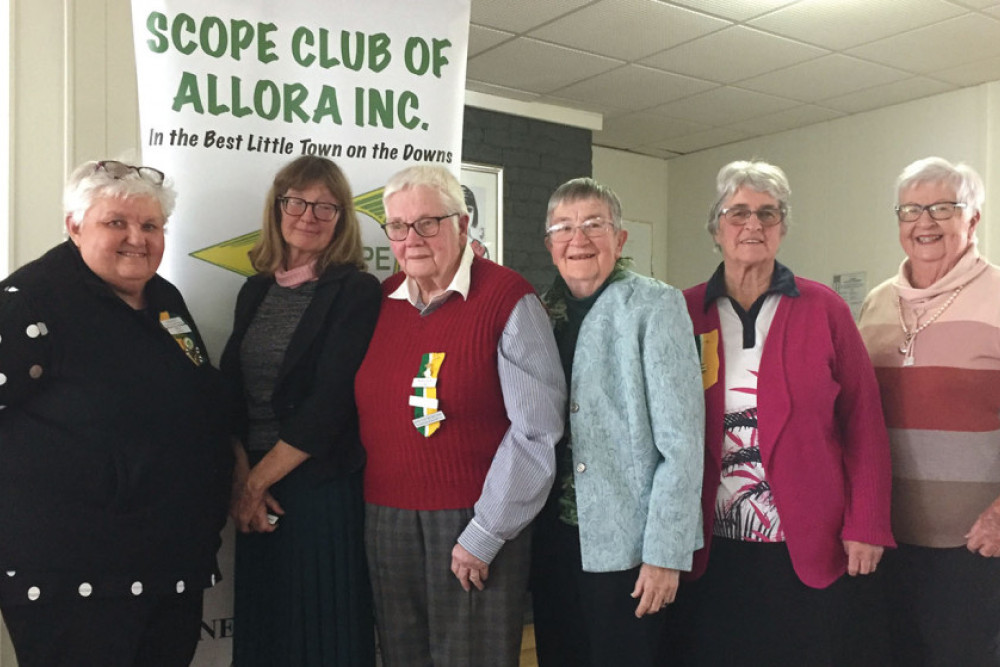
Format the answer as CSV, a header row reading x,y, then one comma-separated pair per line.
x,y
300,36
155,23
187,93
180,23
327,106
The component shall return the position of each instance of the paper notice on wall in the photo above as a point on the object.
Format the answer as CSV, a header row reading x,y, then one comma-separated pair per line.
x,y
853,287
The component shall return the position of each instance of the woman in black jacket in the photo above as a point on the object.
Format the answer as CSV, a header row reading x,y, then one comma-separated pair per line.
x,y
114,455
302,326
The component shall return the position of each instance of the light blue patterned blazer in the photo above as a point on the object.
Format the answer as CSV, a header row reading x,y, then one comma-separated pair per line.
x,y
637,427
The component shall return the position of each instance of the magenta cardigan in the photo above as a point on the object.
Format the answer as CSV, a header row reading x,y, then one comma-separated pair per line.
x,y
823,440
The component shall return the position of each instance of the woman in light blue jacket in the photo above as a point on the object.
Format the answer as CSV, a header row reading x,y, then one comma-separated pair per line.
x,y
624,515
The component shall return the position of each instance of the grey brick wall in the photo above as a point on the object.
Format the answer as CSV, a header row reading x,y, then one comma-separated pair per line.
x,y
537,157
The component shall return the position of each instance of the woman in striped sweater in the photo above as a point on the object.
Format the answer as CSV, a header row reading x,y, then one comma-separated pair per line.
x,y
933,332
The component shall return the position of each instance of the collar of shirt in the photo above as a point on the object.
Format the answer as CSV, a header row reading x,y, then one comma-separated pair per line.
x,y
782,282
409,291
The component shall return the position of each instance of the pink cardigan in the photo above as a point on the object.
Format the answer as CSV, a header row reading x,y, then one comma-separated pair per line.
x,y
823,440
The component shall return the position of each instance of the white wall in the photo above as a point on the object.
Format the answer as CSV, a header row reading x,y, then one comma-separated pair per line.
x,y
73,98
641,184
842,174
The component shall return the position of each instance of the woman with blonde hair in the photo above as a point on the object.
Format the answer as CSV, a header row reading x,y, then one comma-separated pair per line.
x,y
302,327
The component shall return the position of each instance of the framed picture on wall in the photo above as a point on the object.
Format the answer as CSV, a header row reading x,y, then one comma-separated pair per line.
x,y
483,187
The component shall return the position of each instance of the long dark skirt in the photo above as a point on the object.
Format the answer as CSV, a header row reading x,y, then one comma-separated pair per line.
x,y
302,592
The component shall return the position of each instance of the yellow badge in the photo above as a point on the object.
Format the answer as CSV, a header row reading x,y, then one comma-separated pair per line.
x,y
708,350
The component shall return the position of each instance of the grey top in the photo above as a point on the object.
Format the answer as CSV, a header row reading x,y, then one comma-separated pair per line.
x,y
262,353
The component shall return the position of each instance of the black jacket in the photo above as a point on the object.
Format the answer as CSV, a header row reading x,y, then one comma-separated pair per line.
x,y
313,397
114,456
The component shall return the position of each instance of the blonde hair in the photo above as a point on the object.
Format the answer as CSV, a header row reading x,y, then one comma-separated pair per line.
x,y
268,254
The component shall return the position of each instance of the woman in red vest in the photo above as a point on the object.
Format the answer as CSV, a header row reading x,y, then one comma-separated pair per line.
x,y
461,402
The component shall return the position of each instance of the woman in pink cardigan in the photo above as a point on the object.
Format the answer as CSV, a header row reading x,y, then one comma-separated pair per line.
x,y
797,473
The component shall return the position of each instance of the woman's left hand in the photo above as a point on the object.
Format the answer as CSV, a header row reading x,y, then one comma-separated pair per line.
x,y
984,537
656,587
862,558
252,508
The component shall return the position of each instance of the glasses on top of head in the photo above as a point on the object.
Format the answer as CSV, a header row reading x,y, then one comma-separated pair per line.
x,y
321,210
119,170
563,232
940,211
769,216
428,226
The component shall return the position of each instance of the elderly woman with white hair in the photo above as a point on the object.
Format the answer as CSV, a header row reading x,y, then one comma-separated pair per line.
x,y
933,332
796,485
114,455
460,399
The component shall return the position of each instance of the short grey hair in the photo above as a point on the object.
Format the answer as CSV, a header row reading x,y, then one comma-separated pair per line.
x,y
89,182
757,175
585,188
428,176
968,185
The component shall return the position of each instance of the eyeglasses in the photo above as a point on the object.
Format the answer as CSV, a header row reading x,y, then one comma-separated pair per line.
x,y
941,211
426,227
563,232
321,210
119,170
768,216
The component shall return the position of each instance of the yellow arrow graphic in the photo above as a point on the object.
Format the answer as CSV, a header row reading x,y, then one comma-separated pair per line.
x,y
232,254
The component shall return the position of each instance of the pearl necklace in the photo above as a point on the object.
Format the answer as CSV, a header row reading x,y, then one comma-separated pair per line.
x,y
906,349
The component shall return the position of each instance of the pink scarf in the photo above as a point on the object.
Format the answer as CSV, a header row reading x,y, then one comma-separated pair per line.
x,y
292,278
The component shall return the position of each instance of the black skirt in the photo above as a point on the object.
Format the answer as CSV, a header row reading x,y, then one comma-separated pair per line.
x,y
302,592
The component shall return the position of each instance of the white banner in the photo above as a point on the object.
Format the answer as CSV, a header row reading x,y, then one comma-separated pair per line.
x,y
230,90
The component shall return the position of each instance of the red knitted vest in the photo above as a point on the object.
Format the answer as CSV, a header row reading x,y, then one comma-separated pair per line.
x,y
446,470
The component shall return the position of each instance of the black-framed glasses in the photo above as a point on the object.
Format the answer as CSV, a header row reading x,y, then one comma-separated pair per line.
x,y
768,216
943,210
428,226
119,170
321,210
562,232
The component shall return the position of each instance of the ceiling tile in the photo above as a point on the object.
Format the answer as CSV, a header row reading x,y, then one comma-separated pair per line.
x,y
628,29
527,64
642,128
702,140
736,10
722,56
634,87
652,151
482,39
846,23
975,4
605,107
723,106
800,116
887,95
502,91
947,44
971,74
824,77
520,15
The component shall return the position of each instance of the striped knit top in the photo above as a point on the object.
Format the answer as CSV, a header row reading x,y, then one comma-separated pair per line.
x,y
941,398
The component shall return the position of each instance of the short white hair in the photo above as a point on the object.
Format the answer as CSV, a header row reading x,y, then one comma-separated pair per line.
x,y
89,182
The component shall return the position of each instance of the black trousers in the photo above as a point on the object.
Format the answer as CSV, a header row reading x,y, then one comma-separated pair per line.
x,y
944,607
154,631
749,609
585,618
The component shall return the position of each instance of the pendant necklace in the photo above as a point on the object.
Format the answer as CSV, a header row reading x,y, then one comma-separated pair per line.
x,y
906,349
